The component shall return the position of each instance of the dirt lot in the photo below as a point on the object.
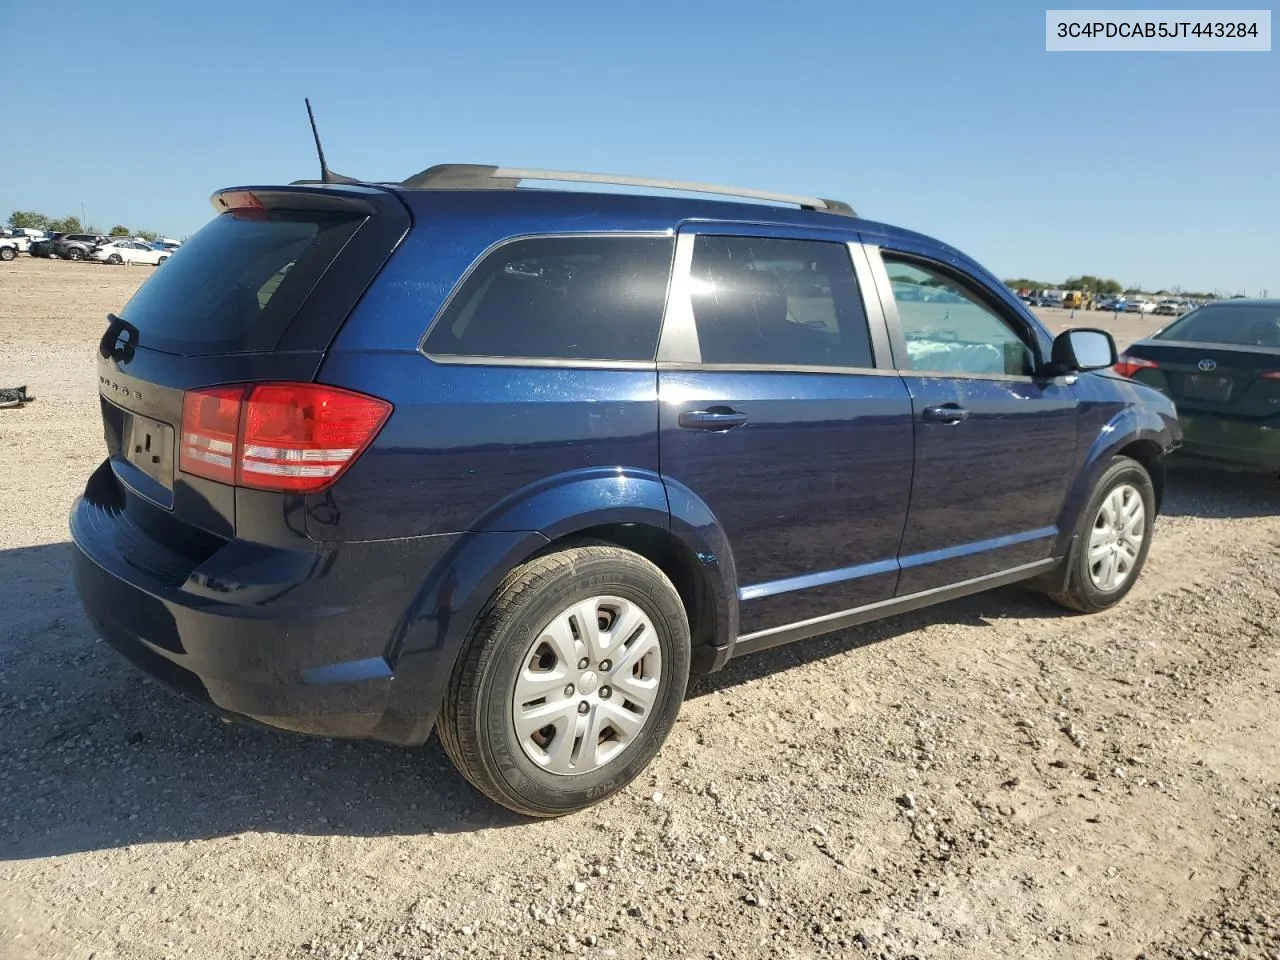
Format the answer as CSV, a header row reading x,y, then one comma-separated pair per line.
x,y
991,778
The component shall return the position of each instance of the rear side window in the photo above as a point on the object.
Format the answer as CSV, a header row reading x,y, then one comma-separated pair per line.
x,y
771,302
238,283
1257,326
560,298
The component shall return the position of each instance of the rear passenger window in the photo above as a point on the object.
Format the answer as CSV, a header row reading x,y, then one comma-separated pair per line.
x,y
777,302
560,298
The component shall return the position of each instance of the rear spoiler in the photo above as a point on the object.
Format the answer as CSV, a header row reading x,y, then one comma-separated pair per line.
x,y
344,198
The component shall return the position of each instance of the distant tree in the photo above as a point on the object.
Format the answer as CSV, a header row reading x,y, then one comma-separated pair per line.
x,y
29,219
148,235
1092,284
65,225
119,230
1022,283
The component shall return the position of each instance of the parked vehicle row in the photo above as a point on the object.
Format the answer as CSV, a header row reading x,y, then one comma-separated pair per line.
x,y
115,250
513,463
1082,300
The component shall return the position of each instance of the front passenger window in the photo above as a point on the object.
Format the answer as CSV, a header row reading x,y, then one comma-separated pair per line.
x,y
948,330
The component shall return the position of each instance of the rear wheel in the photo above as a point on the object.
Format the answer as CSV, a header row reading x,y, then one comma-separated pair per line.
x,y
7,253
75,253
115,258
1112,538
570,681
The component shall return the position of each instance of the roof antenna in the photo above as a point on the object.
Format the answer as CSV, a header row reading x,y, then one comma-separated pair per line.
x,y
326,175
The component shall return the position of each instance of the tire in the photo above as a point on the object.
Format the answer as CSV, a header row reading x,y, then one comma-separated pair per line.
x,y
116,259
509,644
75,253
1089,589
7,253
160,260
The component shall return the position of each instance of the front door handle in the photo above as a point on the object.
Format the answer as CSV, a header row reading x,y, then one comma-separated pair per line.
x,y
946,413
717,418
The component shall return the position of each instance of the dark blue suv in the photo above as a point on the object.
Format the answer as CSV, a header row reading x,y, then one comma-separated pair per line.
x,y
511,463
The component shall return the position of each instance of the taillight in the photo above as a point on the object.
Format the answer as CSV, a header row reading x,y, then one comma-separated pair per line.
x,y
210,425
296,437
1127,366
1271,375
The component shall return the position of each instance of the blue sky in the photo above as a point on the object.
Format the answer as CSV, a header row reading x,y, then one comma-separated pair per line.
x,y
949,118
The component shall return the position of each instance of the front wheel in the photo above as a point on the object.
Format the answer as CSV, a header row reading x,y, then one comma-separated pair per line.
x,y
75,253
7,253
570,681
1112,538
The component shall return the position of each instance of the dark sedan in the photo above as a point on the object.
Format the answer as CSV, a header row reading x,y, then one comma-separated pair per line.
x,y
44,248
1221,365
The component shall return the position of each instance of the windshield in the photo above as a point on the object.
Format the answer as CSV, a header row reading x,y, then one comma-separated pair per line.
x,y
1252,325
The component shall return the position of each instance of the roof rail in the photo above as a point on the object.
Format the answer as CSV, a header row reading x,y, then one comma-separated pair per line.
x,y
475,176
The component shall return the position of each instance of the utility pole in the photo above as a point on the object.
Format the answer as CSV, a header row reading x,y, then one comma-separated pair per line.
x,y
84,222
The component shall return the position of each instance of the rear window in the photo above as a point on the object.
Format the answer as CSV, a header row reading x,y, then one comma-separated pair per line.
x,y
237,284
560,298
1257,326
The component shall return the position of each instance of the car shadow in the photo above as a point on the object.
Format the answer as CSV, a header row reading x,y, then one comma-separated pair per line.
x,y
1197,490
975,610
94,756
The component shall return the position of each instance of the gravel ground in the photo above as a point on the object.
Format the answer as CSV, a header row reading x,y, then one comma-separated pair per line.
x,y
990,778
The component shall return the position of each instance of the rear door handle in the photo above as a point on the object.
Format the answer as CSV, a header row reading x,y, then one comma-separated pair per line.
x,y
946,413
713,419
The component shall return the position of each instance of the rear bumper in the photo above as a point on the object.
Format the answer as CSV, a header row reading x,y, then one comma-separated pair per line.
x,y
297,639
1246,443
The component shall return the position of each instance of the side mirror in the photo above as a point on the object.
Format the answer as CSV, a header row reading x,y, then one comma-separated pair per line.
x,y
1083,349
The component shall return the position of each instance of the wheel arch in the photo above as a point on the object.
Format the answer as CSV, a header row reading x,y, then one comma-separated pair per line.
x,y
691,578
633,509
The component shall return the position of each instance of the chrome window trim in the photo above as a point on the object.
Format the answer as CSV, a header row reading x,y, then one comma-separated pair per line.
x,y
678,341
676,365
545,362
877,322
573,363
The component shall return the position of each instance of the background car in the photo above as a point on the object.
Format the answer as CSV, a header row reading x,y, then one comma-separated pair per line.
x,y
127,250
44,248
24,237
1140,305
76,246
1221,365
